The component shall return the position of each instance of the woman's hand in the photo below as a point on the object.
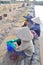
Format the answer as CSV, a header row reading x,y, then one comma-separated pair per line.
x,y
16,45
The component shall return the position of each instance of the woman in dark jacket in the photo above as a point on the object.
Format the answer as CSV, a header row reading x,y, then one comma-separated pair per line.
x,y
33,26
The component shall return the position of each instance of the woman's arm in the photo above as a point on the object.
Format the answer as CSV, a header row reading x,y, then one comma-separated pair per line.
x,y
25,45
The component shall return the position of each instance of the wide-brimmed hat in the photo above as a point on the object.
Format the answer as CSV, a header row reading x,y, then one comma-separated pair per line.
x,y
29,19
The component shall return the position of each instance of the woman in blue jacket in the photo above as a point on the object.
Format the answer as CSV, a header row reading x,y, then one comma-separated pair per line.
x,y
32,25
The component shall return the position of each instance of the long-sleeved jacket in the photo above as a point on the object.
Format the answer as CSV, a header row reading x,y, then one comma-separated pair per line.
x,y
26,44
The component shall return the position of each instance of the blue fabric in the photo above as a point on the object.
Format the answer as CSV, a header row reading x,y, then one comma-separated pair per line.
x,y
9,48
36,28
20,53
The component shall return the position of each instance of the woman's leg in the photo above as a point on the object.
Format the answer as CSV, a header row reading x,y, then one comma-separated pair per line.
x,y
27,60
36,58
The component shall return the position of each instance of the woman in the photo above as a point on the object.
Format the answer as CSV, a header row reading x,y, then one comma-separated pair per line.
x,y
33,24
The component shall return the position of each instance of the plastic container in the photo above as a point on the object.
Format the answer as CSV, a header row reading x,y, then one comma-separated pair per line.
x,y
10,44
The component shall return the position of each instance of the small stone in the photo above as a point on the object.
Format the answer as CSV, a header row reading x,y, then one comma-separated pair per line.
x,y
5,15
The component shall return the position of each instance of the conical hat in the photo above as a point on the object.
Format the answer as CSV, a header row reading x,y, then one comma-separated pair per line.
x,y
36,20
24,33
